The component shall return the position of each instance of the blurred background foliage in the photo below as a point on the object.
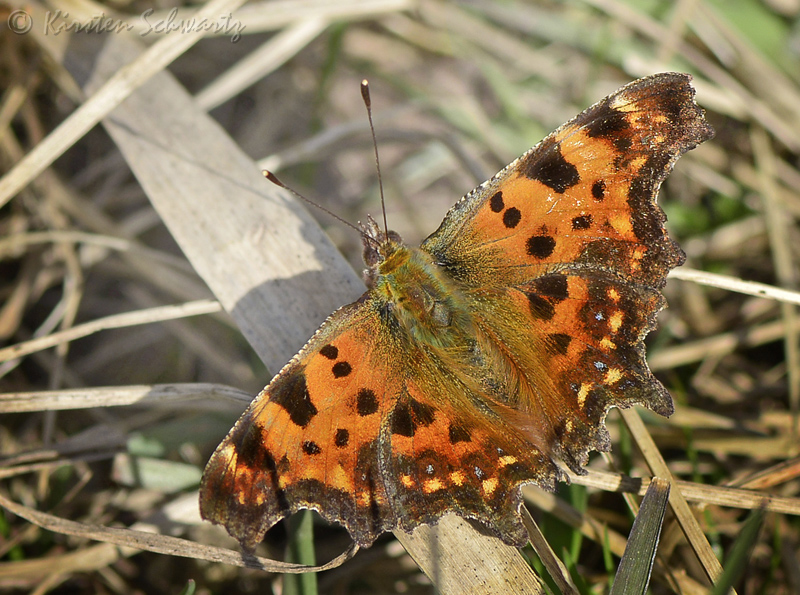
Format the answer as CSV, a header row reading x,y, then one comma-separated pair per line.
x,y
459,89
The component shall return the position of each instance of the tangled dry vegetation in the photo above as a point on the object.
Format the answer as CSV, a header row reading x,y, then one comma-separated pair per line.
x,y
136,325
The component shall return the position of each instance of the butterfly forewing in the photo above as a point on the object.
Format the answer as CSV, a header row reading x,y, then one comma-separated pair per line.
x,y
583,197
311,438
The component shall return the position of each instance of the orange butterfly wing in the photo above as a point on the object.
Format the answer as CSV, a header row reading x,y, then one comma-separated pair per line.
x,y
568,243
352,429
269,466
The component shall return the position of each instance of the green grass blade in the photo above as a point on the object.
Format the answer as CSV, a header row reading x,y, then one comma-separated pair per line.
x,y
633,574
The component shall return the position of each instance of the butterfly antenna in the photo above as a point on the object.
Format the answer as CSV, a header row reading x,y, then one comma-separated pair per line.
x,y
368,105
273,178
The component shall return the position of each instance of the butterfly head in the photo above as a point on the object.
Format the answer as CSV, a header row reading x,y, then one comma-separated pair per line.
x,y
378,245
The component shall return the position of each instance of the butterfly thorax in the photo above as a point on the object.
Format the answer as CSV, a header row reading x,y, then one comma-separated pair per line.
x,y
411,289
426,304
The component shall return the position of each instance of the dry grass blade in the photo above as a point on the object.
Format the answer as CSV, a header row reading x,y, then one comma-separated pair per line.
x,y
719,345
207,397
270,15
266,16
261,62
775,475
148,316
163,544
15,244
785,267
254,248
116,89
703,494
459,560
738,285
84,560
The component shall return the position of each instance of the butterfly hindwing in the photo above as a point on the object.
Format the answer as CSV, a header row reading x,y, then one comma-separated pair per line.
x,y
451,452
582,353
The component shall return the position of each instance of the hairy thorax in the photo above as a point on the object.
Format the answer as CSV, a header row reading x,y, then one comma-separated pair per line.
x,y
426,304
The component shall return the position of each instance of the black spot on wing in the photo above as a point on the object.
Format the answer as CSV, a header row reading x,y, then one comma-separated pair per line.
x,y
341,438
599,190
549,167
512,217
496,202
272,469
423,414
366,402
311,448
329,351
458,434
540,246
582,222
558,343
341,369
612,125
290,392
401,422
543,293
553,287
540,308
407,417
251,452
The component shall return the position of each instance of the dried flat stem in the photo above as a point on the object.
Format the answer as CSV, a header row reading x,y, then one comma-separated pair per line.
x,y
268,263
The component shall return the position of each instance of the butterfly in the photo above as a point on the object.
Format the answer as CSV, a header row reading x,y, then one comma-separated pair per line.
x,y
488,356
